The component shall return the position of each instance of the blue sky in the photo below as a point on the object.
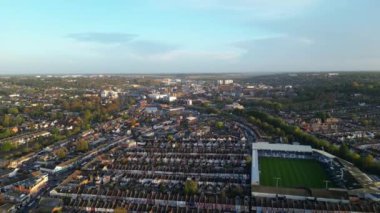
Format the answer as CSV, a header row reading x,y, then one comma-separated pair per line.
x,y
166,36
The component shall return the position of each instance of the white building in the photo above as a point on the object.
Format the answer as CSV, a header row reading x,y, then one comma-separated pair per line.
x,y
226,82
171,98
229,81
157,96
109,94
234,105
189,102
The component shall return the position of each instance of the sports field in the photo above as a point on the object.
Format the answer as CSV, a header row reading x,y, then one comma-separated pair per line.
x,y
292,172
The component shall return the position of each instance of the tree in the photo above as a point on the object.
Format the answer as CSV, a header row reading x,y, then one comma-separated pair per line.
x,y
248,161
87,126
125,116
377,136
61,152
191,187
25,150
5,133
55,131
13,111
7,146
133,122
120,210
87,115
234,190
36,147
82,146
322,115
365,122
6,120
355,85
170,138
367,161
19,120
344,151
219,124
2,199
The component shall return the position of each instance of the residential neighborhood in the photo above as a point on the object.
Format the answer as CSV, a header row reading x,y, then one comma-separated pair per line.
x,y
159,144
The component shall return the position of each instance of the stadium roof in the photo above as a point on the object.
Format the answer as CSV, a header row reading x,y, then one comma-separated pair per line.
x,y
326,154
281,147
255,174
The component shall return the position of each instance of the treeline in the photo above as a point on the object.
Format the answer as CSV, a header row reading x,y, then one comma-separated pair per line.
x,y
269,104
10,150
205,108
280,127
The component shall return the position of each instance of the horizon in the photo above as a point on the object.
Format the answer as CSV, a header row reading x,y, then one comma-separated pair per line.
x,y
257,73
150,37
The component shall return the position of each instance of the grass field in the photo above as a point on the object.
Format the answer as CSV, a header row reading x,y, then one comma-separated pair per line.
x,y
293,172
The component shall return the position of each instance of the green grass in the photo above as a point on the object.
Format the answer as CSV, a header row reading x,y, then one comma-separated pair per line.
x,y
293,172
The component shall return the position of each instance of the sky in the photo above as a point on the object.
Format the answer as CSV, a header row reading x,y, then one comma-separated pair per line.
x,y
188,36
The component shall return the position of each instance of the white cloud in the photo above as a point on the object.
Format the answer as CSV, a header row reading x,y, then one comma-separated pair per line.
x,y
280,39
198,55
104,38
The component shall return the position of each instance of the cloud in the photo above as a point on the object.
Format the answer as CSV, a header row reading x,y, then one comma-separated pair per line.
x,y
226,56
273,42
124,43
104,38
145,47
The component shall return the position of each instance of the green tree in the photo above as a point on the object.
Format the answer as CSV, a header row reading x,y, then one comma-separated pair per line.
x,y
13,111
61,152
377,136
87,115
191,187
36,147
55,131
219,124
6,120
365,122
367,161
7,146
234,190
82,146
19,120
5,133
170,138
322,115
344,151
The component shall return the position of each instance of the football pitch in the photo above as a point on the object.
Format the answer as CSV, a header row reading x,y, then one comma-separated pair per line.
x,y
292,172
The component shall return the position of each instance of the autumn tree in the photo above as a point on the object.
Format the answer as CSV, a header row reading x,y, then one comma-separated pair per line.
x,y
82,146
120,210
61,152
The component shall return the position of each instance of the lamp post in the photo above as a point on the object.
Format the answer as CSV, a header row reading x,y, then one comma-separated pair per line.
x,y
327,183
277,180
